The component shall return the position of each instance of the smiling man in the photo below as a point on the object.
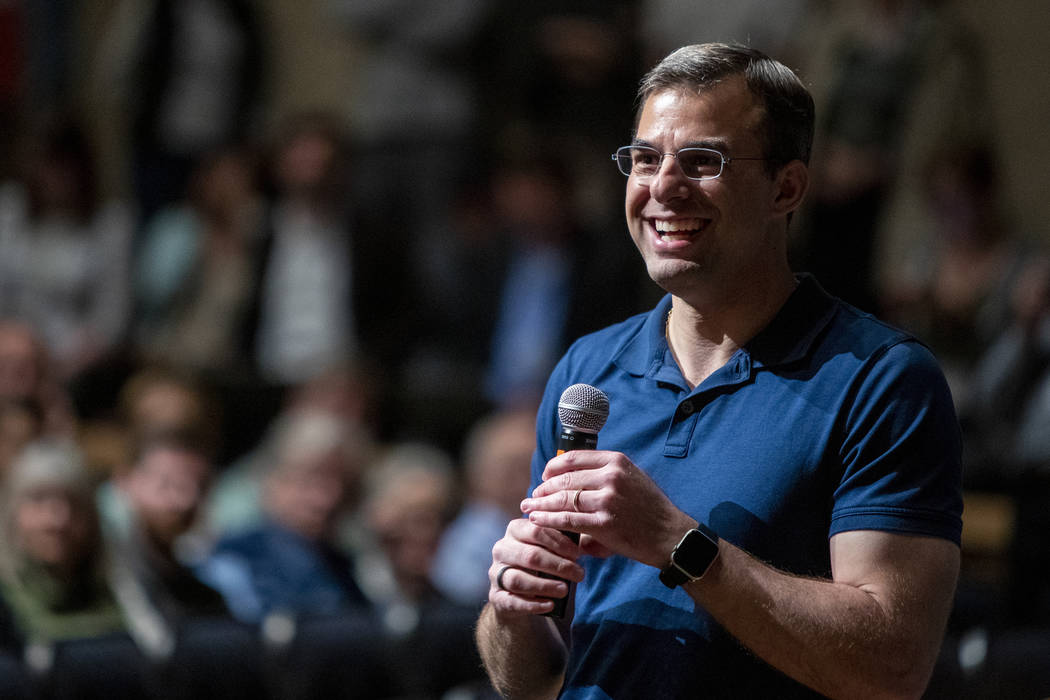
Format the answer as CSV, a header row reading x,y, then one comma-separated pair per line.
x,y
775,509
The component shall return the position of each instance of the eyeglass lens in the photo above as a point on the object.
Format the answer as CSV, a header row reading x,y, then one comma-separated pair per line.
x,y
644,162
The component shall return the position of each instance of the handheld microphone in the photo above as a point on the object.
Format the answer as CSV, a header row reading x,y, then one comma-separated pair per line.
x,y
582,411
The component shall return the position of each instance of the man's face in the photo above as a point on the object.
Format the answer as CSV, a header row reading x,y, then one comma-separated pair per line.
x,y
710,237
167,489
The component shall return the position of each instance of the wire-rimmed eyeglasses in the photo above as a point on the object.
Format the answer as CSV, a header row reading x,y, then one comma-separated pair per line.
x,y
696,163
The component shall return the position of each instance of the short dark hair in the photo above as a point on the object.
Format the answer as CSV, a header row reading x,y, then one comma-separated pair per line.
x,y
789,113
179,439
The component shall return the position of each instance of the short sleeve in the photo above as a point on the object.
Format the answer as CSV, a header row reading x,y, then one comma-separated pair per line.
x,y
901,449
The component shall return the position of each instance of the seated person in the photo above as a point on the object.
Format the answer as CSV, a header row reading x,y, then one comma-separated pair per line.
x,y
291,562
496,461
154,400
26,376
165,488
409,497
52,571
345,395
408,500
81,628
205,652
62,611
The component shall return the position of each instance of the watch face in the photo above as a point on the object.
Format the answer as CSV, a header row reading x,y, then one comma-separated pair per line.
x,y
695,553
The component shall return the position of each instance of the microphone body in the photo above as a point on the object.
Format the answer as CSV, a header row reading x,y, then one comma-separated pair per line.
x,y
569,439
582,411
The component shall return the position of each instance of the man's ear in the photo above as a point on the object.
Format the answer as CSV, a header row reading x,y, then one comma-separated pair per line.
x,y
792,182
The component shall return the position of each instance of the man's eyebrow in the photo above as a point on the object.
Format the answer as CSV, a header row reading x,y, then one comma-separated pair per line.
x,y
716,144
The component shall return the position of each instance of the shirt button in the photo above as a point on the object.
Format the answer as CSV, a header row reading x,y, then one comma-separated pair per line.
x,y
686,408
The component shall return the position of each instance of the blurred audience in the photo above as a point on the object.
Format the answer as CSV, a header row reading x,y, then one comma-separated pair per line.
x,y
566,73
496,459
959,296
410,495
408,500
342,396
888,79
198,268
1013,384
306,320
555,279
520,277
191,75
413,107
65,254
330,291
292,563
533,215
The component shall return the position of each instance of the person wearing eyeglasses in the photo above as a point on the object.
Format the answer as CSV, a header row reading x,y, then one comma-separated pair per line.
x,y
774,507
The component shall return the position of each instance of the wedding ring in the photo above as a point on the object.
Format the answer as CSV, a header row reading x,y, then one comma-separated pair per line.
x,y
576,500
499,577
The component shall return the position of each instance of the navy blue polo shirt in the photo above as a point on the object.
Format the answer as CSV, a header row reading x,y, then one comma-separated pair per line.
x,y
828,420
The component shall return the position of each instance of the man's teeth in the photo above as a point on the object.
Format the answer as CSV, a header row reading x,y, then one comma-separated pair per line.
x,y
679,225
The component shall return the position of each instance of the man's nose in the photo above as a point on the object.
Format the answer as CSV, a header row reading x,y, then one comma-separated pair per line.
x,y
669,182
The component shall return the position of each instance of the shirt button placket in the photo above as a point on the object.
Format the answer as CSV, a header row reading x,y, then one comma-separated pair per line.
x,y
680,431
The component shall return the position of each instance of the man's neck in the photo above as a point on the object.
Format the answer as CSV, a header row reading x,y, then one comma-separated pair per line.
x,y
703,337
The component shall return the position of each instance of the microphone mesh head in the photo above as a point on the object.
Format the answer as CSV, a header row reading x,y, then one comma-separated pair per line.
x,y
583,407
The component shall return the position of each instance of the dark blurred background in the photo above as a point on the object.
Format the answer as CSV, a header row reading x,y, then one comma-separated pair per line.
x,y
281,282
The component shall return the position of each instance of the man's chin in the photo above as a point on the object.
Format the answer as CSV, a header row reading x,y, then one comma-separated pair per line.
x,y
674,276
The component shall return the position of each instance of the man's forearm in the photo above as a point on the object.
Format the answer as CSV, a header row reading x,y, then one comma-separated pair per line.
x,y
524,656
842,639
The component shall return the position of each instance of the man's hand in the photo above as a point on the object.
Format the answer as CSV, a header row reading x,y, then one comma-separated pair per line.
x,y
527,548
524,653
615,506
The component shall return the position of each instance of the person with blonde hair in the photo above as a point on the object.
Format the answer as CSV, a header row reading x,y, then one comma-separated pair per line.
x,y
52,566
291,561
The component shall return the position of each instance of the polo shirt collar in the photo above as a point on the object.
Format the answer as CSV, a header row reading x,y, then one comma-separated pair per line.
x,y
645,352
788,337
792,332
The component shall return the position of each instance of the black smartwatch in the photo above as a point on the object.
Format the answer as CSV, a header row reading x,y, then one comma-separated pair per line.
x,y
691,557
